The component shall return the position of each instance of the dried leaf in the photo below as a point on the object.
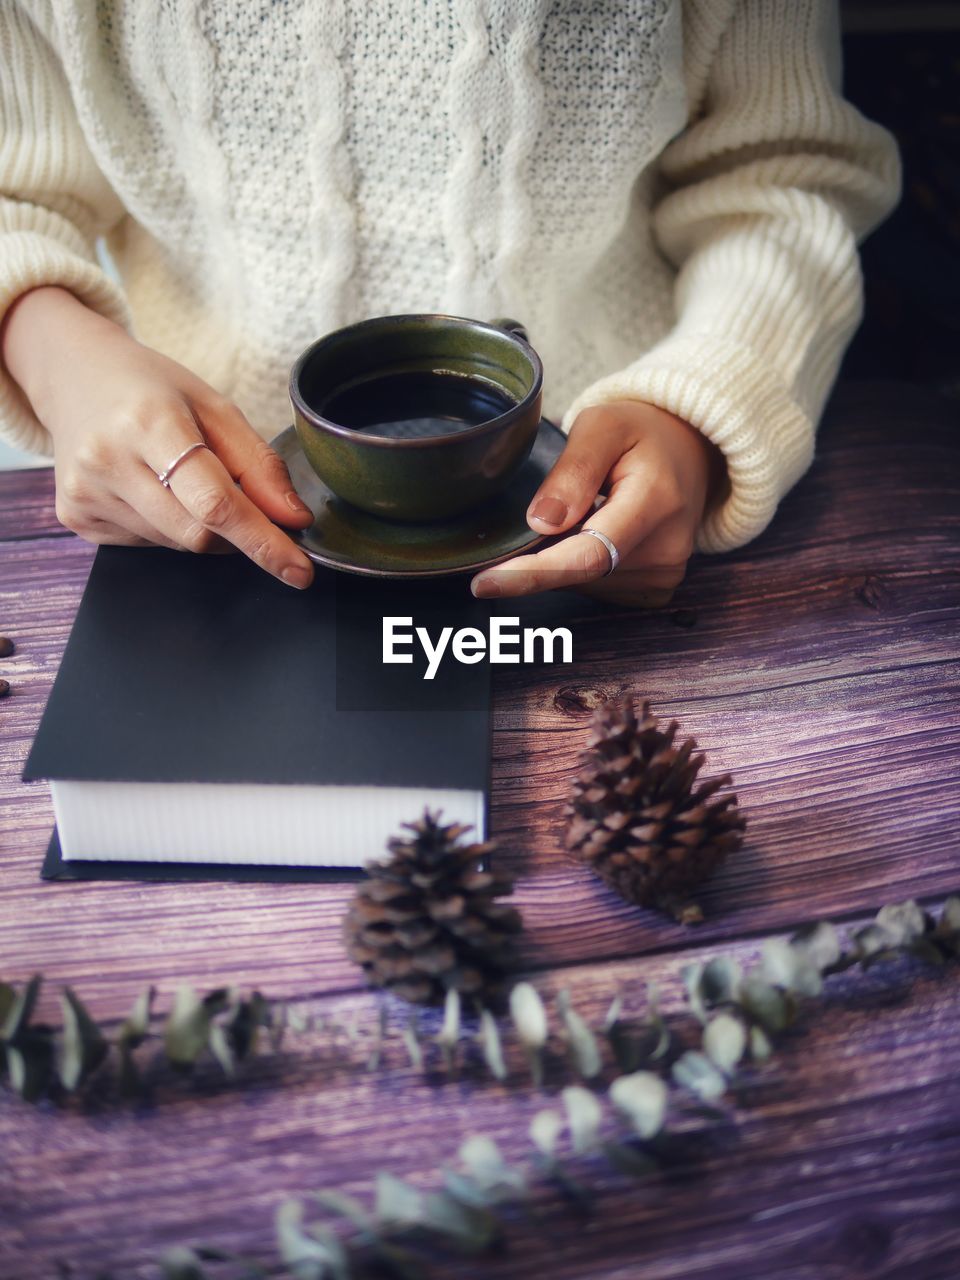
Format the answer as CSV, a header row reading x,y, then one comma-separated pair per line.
x,y
30,1062
216,1001
84,1045
873,943
760,1046
307,1257
471,1227
695,1071
529,1016
545,1130
584,1116
613,1012
724,1042
411,1040
720,981
28,1049
819,942
188,1028
621,1036
481,1156
243,1025
583,1042
642,1099
134,1030
8,998
530,1019
449,1033
20,1012
465,1189
625,1045
339,1265
657,1022
348,1207
950,916
220,1047
398,1204
764,1002
484,1162
692,974
492,1047
789,967
182,1264
903,921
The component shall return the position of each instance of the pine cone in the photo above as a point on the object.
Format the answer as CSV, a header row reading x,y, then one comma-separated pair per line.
x,y
637,818
426,920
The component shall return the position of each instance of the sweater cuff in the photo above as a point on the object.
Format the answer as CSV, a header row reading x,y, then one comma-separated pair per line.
x,y
741,405
28,260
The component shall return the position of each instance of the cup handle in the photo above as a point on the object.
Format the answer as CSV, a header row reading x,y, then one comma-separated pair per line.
x,y
512,326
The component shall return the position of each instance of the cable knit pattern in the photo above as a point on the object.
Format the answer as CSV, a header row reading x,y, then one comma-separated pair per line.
x,y
668,194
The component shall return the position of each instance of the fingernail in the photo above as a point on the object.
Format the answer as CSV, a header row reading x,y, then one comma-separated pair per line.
x,y
297,505
549,511
297,575
485,588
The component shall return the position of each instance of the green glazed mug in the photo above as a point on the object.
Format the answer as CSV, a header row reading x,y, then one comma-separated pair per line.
x,y
418,417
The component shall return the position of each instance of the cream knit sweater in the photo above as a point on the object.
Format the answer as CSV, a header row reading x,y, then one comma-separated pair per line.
x,y
667,194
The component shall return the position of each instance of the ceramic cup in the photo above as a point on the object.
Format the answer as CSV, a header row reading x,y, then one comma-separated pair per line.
x,y
424,477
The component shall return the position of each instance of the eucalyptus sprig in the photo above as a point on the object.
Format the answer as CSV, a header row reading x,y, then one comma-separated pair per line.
x,y
740,1013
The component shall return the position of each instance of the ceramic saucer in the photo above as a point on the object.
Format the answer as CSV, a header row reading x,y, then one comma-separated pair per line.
x,y
344,537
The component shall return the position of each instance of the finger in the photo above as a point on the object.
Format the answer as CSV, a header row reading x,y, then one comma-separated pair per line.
x,y
206,490
568,492
159,508
576,559
103,534
142,532
116,523
258,469
625,518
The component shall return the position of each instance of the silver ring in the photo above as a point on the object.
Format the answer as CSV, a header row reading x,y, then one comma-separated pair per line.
x,y
612,550
164,476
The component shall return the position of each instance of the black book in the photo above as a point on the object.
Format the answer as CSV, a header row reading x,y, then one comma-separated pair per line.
x,y
205,713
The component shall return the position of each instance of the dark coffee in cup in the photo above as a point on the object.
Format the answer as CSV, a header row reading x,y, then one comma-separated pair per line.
x,y
415,406
417,417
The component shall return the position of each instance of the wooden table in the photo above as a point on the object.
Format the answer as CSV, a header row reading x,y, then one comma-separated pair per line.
x,y
820,668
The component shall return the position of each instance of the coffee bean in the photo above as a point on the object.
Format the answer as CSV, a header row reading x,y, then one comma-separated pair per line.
x,y
6,646
4,688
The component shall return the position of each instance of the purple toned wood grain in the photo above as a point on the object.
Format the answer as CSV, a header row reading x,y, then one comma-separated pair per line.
x,y
842,1162
821,670
26,509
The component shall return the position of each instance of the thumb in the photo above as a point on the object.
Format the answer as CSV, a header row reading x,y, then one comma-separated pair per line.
x,y
260,472
593,446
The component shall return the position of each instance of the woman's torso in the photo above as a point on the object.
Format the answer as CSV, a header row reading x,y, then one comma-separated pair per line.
x,y
291,167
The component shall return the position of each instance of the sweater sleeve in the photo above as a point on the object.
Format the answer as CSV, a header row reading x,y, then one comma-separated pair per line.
x,y
54,201
767,192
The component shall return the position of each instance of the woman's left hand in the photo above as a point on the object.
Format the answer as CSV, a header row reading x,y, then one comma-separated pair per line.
x,y
658,473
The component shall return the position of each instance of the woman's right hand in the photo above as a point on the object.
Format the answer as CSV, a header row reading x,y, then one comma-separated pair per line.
x,y
119,414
